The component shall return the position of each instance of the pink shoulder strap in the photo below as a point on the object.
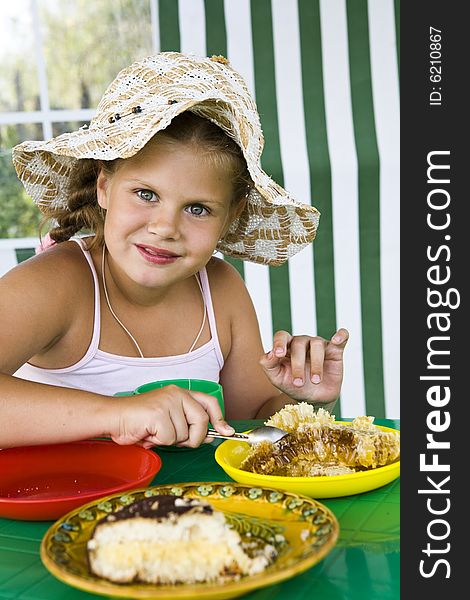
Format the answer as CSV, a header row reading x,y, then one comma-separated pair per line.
x,y
95,340
210,314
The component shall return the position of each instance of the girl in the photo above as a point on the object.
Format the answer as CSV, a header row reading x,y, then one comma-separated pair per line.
x,y
167,173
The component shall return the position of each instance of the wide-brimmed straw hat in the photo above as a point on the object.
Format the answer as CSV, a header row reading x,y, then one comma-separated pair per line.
x,y
142,100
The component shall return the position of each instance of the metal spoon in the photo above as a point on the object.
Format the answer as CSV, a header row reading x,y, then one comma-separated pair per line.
x,y
265,433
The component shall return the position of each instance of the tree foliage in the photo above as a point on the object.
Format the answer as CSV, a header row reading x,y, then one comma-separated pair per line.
x,y
19,217
85,44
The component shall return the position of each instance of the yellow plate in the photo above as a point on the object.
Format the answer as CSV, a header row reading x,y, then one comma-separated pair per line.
x,y
303,531
230,454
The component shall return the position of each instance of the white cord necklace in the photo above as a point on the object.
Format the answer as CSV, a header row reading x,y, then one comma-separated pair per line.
x,y
203,319
105,289
111,308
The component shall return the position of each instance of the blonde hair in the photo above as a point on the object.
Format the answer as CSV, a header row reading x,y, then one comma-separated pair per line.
x,y
84,213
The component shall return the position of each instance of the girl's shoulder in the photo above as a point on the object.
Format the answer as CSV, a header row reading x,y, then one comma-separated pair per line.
x,y
58,272
45,298
222,273
52,264
227,286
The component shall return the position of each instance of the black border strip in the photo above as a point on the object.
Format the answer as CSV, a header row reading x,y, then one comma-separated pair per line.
x,y
432,133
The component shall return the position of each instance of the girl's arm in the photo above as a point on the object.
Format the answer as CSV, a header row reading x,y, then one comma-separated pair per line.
x,y
33,413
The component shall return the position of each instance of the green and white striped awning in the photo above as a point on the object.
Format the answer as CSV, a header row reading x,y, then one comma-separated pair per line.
x,y
325,74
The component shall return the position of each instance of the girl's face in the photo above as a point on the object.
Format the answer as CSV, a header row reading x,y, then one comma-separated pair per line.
x,y
166,212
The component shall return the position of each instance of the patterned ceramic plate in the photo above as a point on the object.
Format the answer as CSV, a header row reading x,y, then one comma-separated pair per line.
x,y
302,530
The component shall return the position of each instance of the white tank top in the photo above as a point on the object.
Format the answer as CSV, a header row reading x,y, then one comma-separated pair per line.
x,y
108,374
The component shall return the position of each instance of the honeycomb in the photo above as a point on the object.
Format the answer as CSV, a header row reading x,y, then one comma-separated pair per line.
x,y
317,445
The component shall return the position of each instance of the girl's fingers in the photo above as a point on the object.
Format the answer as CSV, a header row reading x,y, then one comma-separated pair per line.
x,y
161,433
341,337
281,343
180,423
269,361
299,348
214,412
197,420
197,434
317,358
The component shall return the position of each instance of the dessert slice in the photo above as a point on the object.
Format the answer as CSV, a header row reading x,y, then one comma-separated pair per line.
x,y
165,539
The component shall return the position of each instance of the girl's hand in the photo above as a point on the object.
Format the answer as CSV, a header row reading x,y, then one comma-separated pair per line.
x,y
167,416
306,368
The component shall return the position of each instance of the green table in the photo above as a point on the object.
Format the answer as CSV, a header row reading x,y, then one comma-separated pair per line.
x,y
365,563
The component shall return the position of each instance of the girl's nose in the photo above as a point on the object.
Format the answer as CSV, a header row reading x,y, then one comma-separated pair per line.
x,y
164,224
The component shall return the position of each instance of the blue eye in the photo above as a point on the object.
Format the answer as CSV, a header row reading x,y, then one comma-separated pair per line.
x,y
146,195
198,210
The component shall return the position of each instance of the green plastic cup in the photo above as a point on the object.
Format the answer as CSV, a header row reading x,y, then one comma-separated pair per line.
x,y
212,388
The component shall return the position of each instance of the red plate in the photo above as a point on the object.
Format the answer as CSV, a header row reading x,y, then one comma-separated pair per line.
x,y
40,483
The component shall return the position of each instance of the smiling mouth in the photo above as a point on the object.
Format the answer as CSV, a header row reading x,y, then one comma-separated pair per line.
x,y
157,255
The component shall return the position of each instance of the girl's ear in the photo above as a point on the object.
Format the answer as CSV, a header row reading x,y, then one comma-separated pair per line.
x,y
102,189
